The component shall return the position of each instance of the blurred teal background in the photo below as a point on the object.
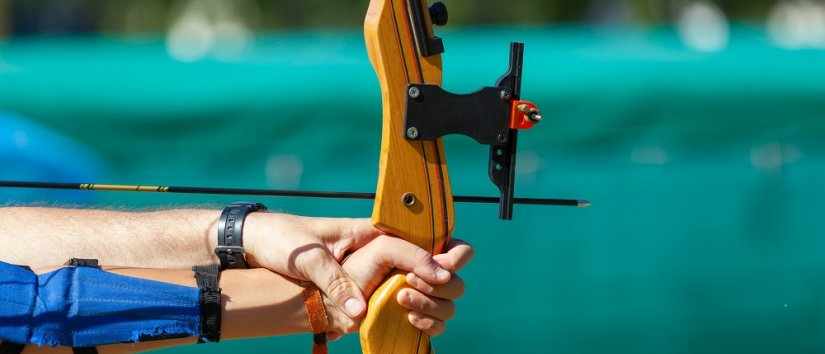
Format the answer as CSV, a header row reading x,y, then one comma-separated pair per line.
x,y
703,157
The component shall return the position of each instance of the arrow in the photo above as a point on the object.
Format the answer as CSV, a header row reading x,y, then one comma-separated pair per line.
x,y
267,192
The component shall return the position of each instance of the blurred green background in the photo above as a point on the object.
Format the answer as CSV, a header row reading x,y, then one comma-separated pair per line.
x,y
695,128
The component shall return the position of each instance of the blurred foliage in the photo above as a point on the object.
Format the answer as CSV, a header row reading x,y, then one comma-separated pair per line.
x,y
136,16
4,17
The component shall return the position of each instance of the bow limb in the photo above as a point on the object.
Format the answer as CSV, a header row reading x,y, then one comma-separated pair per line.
x,y
413,197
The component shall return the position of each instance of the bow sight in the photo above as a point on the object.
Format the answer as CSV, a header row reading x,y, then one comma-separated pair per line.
x,y
491,116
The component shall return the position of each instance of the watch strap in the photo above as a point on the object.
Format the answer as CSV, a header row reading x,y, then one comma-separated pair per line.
x,y
230,249
208,279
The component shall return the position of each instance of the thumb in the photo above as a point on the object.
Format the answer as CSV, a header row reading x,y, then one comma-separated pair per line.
x,y
323,270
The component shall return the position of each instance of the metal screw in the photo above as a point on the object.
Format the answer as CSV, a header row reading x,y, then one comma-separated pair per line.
x,y
498,167
412,133
532,114
414,92
506,95
408,199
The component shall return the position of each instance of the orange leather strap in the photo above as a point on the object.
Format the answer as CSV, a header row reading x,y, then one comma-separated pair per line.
x,y
317,314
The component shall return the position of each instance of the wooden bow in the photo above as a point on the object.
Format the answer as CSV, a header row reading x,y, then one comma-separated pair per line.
x,y
413,198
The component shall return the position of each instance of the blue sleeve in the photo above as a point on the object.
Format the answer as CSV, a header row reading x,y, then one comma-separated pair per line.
x,y
18,290
87,307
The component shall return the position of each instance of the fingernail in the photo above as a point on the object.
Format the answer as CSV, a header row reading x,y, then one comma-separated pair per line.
x,y
442,273
353,306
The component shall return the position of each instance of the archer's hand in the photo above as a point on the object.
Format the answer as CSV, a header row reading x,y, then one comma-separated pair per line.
x,y
310,249
432,279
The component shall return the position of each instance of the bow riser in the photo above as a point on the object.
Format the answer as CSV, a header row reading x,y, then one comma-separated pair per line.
x,y
413,198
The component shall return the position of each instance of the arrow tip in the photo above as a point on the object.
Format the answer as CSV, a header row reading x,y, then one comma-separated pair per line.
x,y
583,203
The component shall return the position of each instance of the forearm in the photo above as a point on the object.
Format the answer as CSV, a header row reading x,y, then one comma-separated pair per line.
x,y
39,237
255,303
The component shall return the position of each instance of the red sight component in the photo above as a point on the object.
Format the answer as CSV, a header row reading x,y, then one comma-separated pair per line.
x,y
524,114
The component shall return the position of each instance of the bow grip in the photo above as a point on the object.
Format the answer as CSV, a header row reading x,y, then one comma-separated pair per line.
x,y
386,328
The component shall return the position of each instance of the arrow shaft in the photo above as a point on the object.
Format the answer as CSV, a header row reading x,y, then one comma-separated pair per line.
x,y
264,192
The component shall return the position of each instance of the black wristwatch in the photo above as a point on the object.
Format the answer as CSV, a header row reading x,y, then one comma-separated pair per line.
x,y
230,234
